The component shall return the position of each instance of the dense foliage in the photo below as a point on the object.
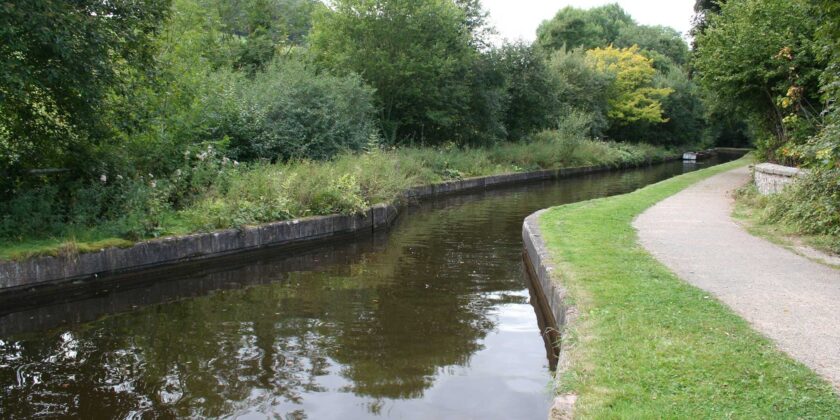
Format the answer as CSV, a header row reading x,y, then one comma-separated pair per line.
x,y
823,149
108,123
56,80
632,96
776,64
533,90
772,78
210,191
415,53
572,27
811,205
291,111
647,93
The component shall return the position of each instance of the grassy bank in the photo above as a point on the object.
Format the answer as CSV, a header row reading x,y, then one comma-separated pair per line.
x,y
648,345
771,217
212,192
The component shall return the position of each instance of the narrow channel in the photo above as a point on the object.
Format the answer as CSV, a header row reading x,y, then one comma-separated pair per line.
x,y
429,320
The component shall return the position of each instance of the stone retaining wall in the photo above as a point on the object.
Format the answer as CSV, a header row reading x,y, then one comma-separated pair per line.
x,y
49,270
770,178
553,296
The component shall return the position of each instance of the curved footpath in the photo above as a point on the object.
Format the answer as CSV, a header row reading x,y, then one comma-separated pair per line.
x,y
645,343
790,299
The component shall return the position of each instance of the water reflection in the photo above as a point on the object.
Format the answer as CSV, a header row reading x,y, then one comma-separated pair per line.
x,y
430,320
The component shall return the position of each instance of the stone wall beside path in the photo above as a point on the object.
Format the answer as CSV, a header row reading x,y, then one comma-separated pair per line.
x,y
770,178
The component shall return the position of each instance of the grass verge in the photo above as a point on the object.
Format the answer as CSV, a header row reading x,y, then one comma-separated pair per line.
x,y
211,192
647,344
750,209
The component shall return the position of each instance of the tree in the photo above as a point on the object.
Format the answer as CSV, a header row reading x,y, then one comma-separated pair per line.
x,y
262,26
482,122
417,54
661,39
632,96
56,79
703,10
824,148
572,27
580,87
609,25
476,23
759,57
532,90
683,108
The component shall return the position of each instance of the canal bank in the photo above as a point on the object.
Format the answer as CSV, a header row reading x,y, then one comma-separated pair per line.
x,y
56,270
645,343
420,321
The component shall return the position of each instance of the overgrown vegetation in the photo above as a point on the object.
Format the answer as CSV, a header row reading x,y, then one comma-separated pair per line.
x,y
806,210
646,344
110,97
784,81
773,79
210,191
785,84
134,119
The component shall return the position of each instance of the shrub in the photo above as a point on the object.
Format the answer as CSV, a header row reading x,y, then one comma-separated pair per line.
x,y
571,132
291,111
683,110
812,204
34,213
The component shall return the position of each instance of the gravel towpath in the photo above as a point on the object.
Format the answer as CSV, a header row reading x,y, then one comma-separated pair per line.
x,y
788,298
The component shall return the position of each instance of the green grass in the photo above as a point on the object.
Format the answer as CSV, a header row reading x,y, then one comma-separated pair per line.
x,y
93,241
226,196
648,345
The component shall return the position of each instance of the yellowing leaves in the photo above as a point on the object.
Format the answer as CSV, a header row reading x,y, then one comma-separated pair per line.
x,y
632,94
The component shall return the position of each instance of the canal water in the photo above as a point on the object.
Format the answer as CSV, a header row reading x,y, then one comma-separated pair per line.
x,y
429,320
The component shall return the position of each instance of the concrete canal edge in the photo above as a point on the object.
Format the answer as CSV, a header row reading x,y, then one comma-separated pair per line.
x,y
53,270
559,314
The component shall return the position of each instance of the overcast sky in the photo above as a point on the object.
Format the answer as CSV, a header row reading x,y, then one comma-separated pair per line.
x,y
518,19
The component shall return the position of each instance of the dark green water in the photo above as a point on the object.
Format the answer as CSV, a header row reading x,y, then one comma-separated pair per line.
x,y
430,320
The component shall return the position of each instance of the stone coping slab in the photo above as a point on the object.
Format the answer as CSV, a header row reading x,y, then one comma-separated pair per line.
x,y
553,296
774,169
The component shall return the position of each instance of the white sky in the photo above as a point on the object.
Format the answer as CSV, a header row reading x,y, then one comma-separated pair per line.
x,y
519,19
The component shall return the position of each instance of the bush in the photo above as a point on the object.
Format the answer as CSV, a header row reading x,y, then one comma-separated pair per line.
x,y
264,193
30,214
812,204
291,111
570,134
